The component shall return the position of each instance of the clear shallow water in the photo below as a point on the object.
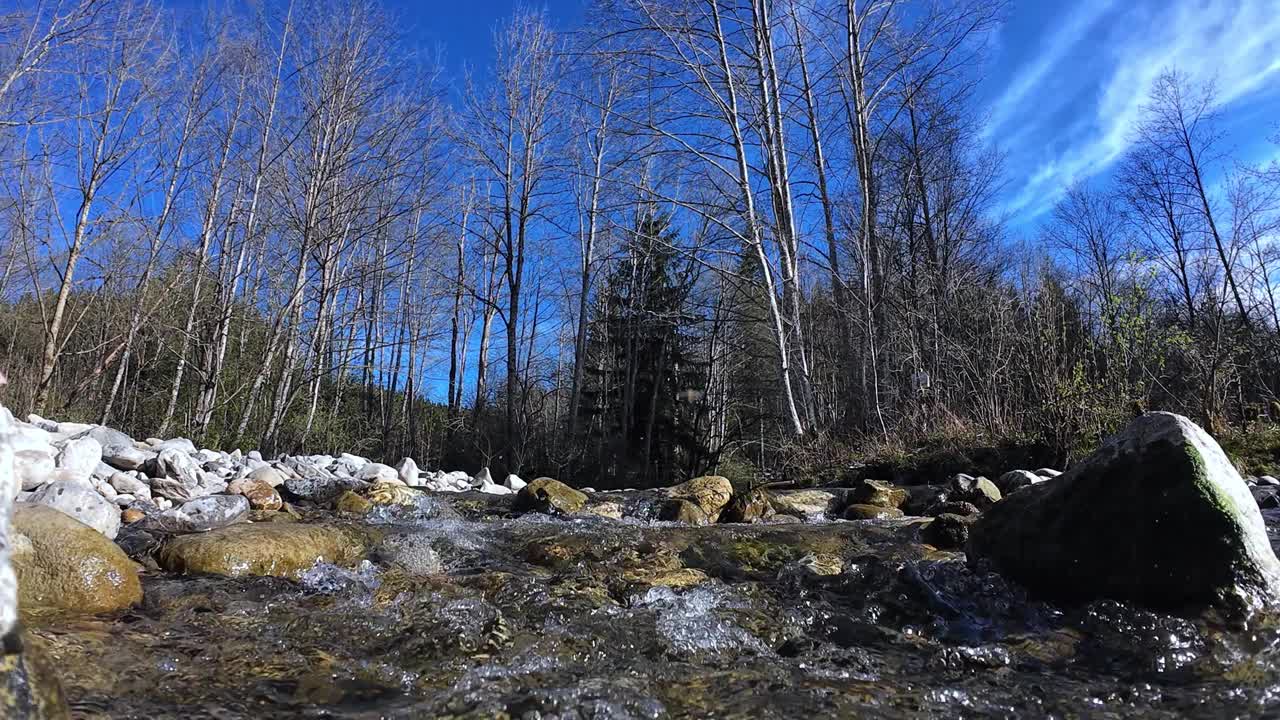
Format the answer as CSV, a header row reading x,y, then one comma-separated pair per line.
x,y
545,618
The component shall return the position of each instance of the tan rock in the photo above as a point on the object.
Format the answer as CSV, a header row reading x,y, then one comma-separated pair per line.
x,y
259,492
548,495
880,493
710,493
66,565
276,549
131,515
860,511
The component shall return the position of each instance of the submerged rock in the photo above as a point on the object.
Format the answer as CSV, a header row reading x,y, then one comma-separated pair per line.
x,y
66,565
863,511
806,503
29,687
275,549
548,495
1157,515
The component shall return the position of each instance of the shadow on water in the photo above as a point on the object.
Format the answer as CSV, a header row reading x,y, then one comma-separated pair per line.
x,y
537,617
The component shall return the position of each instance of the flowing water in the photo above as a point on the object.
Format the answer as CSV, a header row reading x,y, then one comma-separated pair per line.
x,y
535,617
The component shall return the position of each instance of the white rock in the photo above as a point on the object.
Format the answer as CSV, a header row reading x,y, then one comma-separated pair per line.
x,y
33,468
482,478
128,485
30,437
181,444
254,455
207,455
81,502
70,428
204,514
80,456
408,472
377,472
1048,472
105,490
163,503
495,489
46,425
125,458
269,475
514,482
124,501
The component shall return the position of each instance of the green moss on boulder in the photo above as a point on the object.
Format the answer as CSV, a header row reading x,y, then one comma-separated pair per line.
x,y
1157,515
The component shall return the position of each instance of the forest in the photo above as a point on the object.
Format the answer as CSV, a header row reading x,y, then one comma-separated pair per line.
x,y
757,237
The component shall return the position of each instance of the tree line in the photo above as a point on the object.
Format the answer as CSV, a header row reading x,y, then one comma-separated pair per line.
x,y
757,237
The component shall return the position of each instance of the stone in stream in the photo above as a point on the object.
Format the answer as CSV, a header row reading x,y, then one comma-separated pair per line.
x,y
809,504
748,507
977,490
954,507
66,565
880,494
948,531
81,502
709,493
391,493
860,511
275,549
514,483
549,496
1157,515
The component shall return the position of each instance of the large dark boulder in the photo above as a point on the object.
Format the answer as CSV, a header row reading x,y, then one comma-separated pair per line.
x,y
1157,515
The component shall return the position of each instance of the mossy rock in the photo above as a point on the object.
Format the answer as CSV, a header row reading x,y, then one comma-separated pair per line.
x,y
1157,516
948,531
683,511
353,504
710,493
880,494
548,495
391,494
29,688
279,550
64,565
748,507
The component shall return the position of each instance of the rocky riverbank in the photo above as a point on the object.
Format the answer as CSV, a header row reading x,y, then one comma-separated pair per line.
x,y
165,580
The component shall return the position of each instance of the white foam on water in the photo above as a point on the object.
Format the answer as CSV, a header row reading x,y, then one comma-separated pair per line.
x,y
688,622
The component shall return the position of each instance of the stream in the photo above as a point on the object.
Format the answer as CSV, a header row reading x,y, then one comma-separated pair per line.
x,y
462,610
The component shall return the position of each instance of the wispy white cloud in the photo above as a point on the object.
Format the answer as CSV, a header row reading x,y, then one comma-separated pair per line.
x,y
1032,78
1234,44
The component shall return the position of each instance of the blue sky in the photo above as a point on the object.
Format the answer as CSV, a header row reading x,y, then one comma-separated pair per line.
x,y
1066,81
1063,83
